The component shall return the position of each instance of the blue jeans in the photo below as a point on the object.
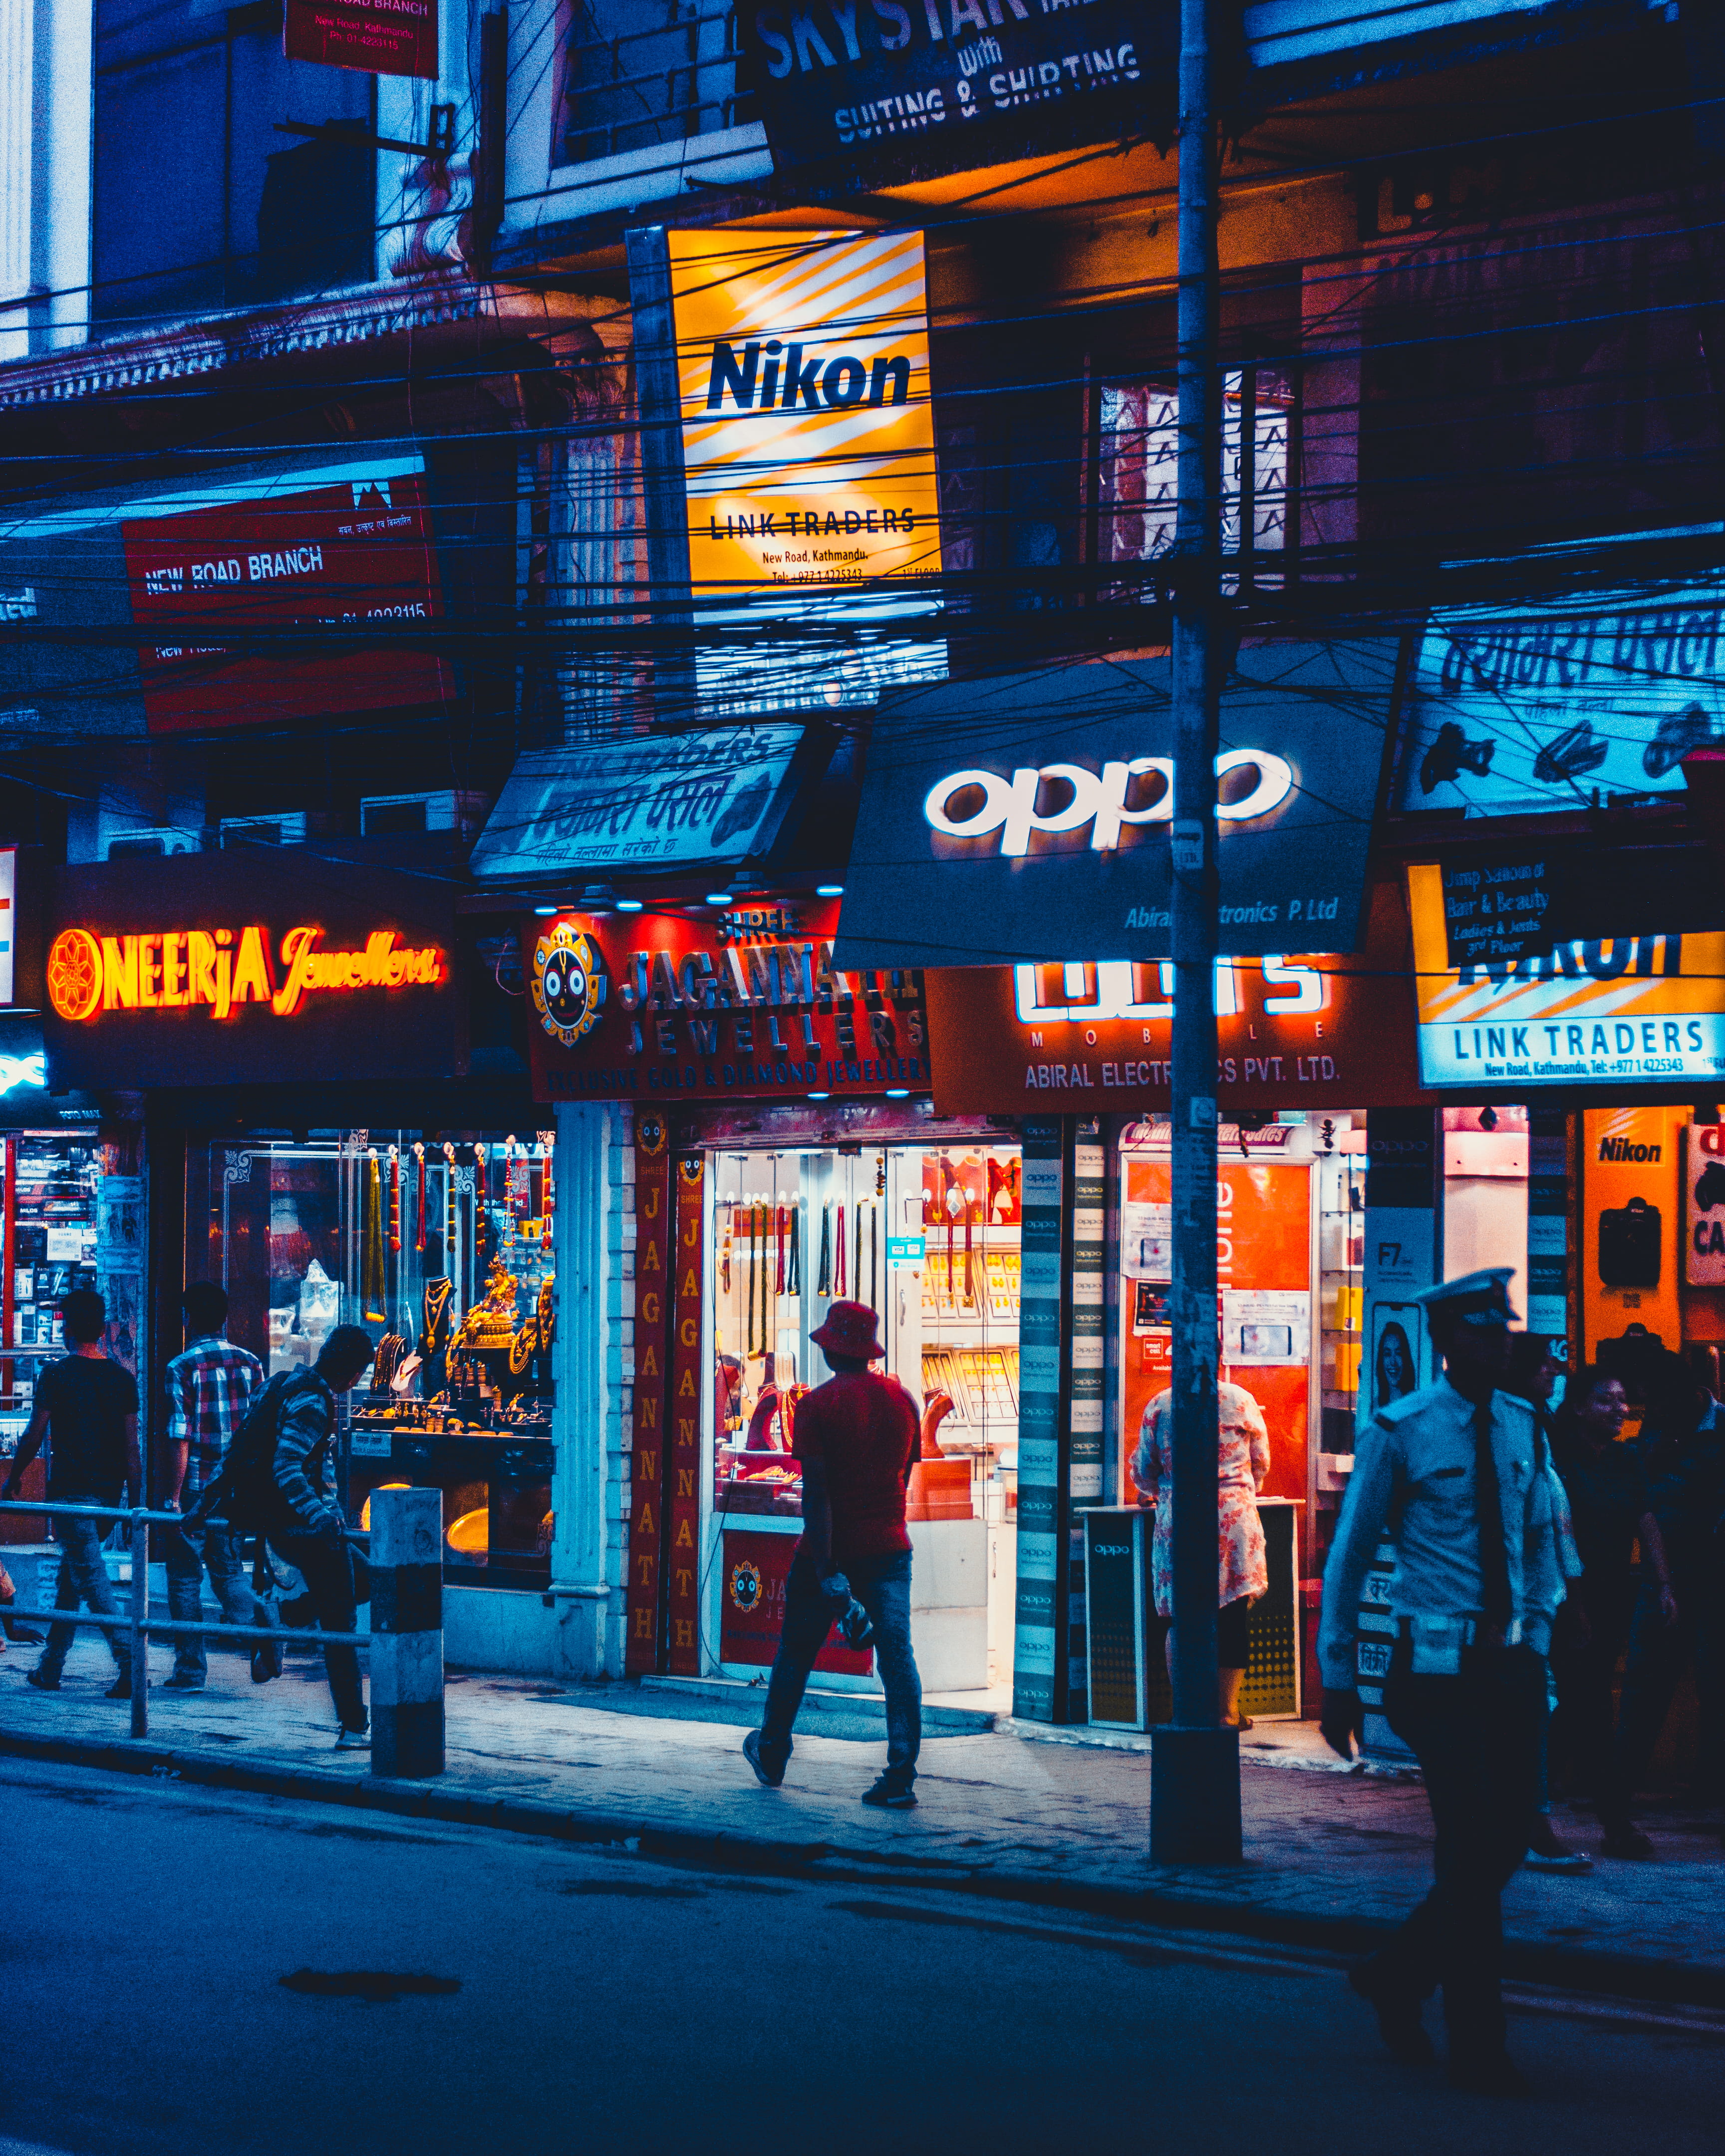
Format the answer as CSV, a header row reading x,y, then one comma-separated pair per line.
x,y
83,1578
189,1551
337,1580
882,1584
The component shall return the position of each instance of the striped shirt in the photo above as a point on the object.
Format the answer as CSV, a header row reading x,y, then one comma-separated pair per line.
x,y
210,1388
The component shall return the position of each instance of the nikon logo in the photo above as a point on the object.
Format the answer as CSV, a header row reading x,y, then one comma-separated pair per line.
x,y
775,377
1623,1149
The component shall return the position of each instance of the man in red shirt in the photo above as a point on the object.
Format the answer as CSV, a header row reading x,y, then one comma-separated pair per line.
x,y
856,1438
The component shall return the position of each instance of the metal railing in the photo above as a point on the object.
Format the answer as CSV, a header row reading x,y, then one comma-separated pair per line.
x,y
668,83
138,1624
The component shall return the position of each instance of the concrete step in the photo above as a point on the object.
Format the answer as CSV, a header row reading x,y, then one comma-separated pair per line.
x,y
947,1720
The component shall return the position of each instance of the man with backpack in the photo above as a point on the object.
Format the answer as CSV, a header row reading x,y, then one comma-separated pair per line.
x,y
210,1389
279,1480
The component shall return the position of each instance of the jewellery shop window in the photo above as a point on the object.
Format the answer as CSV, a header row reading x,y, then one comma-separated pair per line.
x,y
53,1184
441,1248
930,1240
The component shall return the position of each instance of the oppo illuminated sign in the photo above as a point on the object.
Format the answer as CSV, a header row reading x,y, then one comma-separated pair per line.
x,y
1103,800
220,969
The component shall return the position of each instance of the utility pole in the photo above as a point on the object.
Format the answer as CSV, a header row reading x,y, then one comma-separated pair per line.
x,y
1194,1775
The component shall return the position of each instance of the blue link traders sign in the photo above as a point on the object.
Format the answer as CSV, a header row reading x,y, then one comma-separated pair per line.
x,y
954,83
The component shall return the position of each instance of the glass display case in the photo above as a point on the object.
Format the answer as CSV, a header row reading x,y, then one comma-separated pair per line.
x,y
440,1247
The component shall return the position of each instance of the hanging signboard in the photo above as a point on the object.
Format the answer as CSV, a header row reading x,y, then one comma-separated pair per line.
x,y
656,1007
1026,818
1647,1009
662,801
1512,711
808,449
1314,1032
379,37
949,84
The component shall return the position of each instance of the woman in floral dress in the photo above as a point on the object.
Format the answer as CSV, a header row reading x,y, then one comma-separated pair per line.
x,y
1243,1461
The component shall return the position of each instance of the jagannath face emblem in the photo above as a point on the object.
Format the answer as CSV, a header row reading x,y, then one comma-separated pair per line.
x,y
745,1586
568,982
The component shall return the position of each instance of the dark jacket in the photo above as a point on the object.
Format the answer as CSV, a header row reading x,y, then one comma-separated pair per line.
x,y
305,1468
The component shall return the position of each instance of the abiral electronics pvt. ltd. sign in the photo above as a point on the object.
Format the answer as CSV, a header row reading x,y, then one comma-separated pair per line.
x,y
204,969
657,1007
1646,1009
1292,1032
807,445
1019,818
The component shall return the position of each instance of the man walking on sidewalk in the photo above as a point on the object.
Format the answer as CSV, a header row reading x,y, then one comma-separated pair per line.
x,y
856,1437
87,1405
304,1522
1453,1474
210,1388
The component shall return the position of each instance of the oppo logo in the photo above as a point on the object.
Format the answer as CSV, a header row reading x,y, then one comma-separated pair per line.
x,y
1107,801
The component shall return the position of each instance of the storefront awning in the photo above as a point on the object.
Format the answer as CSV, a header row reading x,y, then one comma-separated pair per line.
x,y
658,802
1025,818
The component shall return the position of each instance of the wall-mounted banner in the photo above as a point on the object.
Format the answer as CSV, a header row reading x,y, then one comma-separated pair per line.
x,y
380,37
656,1007
663,801
1325,1032
1646,1010
1512,711
1026,817
199,565
809,449
950,82
1513,903
209,969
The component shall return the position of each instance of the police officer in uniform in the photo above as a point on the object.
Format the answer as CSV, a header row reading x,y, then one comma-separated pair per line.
x,y
1454,1476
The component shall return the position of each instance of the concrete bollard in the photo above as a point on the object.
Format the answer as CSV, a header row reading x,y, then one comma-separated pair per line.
x,y
406,1632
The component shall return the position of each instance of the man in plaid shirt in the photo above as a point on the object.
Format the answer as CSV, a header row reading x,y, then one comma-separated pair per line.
x,y
210,1388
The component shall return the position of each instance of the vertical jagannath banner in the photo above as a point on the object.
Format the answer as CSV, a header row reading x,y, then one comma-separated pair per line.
x,y
643,1654
1038,1672
682,1465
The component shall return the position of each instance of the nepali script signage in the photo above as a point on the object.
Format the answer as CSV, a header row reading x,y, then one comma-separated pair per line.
x,y
1631,1009
663,801
946,83
203,969
748,1005
1512,711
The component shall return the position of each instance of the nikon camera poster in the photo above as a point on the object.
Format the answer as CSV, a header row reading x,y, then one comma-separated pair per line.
x,y
941,84
808,447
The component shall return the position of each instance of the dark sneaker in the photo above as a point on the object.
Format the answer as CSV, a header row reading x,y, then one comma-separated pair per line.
x,y
121,1687
266,1661
184,1681
1488,2073
1625,1840
893,1793
1566,1863
353,1740
1398,2022
768,1775
41,1680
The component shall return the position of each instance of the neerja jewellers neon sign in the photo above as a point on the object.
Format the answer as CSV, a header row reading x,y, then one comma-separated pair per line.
x,y
1100,799
220,969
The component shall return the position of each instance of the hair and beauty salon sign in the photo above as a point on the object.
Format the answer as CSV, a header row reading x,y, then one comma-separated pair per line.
x,y
1634,1010
747,1004
214,969
1025,817
952,82
1321,1031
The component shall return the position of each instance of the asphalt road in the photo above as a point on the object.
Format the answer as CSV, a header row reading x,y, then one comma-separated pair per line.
x,y
450,1990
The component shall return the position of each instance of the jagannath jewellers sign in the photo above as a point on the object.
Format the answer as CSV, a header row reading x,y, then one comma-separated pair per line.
x,y
953,82
747,1004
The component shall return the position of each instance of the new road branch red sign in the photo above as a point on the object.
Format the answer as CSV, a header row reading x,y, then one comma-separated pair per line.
x,y
381,37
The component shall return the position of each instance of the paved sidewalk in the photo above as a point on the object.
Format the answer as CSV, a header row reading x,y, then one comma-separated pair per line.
x,y
1331,1857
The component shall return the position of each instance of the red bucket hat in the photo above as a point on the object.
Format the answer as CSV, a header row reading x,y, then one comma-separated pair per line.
x,y
849,1330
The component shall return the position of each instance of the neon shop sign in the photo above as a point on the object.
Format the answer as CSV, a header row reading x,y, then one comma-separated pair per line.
x,y
1138,790
221,969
